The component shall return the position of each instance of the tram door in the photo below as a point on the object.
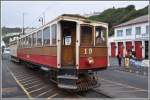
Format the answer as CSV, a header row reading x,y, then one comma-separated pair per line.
x,y
68,33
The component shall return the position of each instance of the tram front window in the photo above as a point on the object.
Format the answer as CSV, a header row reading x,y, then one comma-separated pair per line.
x,y
86,35
100,36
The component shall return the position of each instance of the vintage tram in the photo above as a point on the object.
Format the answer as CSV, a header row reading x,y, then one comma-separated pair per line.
x,y
71,48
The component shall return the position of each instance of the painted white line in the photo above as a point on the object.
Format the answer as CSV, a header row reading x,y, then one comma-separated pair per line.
x,y
25,79
38,89
22,87
29,81
50,97
34,86
134,91
32,82
44,93
23,76
124,85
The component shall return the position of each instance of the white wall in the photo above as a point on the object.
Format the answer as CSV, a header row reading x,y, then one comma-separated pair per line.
x,y
133,37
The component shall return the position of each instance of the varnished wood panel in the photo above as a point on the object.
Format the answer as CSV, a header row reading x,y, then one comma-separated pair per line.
x,y
68,56
41,51
96,51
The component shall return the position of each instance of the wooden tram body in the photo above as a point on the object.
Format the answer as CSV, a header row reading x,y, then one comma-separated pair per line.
x,y
70,47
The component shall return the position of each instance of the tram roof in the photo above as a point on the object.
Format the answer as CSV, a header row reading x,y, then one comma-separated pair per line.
x,y
75,17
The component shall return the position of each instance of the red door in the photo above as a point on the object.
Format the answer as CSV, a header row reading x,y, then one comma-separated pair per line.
x,y
138,49
120,48
128,47
113,49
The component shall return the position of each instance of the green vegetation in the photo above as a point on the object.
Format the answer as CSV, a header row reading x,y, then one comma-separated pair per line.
x,y
6,30
114,16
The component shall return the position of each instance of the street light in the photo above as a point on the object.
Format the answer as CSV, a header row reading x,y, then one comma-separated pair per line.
x,y
42,19
23,22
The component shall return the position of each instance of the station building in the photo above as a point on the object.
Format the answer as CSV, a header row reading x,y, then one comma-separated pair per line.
x,y
132,36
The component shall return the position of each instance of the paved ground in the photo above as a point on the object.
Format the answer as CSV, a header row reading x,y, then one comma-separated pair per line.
x,y
139,70
121,84
114,83
34,84
9,86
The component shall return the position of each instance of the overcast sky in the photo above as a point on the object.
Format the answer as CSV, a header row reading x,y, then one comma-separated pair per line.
x,y
12,10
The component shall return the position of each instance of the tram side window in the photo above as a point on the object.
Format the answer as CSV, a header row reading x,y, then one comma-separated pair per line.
x,y
30,40
100,34
26,43
39,38
19,44
46,36
86,35
34,39
23,42
54,31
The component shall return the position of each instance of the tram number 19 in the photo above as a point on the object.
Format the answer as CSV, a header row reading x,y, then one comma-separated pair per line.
x,y
88,51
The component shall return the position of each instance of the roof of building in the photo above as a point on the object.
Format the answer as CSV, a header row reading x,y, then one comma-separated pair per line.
x,y
140,19
74,15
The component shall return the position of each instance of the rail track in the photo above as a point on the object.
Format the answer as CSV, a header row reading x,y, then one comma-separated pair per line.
x,y
36,84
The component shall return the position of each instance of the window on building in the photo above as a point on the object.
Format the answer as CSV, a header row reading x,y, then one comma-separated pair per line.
x,y
34,39
128,31
119,33
30,40
86,35
138,30
147,29
54,32
100,34
39,38
46,36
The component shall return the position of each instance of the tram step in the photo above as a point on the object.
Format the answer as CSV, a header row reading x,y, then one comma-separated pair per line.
x,y
64,86
67,71
67,76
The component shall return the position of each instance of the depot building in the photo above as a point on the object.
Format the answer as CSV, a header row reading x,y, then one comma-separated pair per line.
x,y
132,36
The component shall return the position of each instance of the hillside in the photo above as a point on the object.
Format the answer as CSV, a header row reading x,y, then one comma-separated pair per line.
x,y
114,16
6,30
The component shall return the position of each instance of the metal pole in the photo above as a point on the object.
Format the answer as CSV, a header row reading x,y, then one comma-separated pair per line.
x,y
44,17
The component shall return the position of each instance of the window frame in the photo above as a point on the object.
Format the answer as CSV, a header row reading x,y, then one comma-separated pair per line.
x,y
121,33
102,44
41,44
34,44
30,43
92,44
130,31
49,36
136,30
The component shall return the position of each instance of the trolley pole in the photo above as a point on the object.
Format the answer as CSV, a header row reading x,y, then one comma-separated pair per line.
x,y
23,23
